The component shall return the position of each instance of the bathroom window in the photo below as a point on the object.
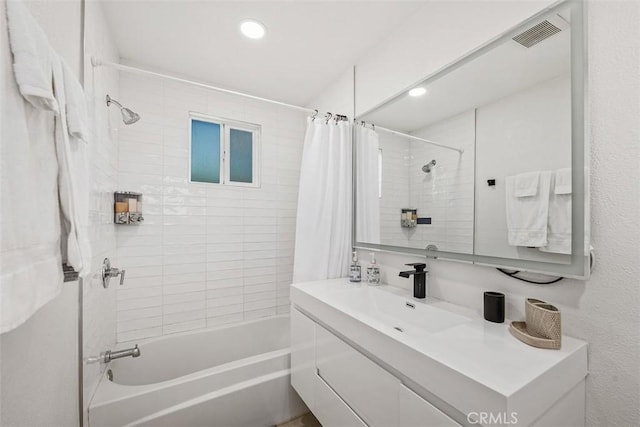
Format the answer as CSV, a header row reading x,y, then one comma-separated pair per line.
x,y
224,151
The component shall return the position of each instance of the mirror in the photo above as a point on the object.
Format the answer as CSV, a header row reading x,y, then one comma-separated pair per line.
x,y
476,162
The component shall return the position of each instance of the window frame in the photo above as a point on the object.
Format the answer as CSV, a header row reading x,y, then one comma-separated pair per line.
x,y
225,149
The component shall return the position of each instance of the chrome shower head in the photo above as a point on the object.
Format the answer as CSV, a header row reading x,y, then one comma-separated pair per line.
x,y
128,116
427,168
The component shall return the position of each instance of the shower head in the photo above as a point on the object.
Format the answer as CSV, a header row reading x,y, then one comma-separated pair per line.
x,y
427,168
128,116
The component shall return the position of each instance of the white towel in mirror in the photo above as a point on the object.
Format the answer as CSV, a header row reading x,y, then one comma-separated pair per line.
x,y
527,216
559,223
526,184
562,181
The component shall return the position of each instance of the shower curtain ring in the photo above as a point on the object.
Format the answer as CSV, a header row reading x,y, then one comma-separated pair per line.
x,y
313,115
327,117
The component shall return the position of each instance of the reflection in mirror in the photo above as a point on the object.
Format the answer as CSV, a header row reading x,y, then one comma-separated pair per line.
x,y
508,194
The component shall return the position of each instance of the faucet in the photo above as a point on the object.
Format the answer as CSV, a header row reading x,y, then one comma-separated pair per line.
x,y
419,278
109,355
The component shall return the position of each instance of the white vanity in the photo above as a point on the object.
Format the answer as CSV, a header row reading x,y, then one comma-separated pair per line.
x,y
375,356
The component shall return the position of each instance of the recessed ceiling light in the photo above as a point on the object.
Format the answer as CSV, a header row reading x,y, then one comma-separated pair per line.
x,y
252,29
417,91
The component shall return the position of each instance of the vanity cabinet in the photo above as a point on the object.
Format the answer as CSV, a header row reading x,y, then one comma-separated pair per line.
x,y
343,387
367,388
375,356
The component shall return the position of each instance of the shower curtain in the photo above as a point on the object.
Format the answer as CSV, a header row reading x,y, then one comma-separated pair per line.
x,y
367,182
323,223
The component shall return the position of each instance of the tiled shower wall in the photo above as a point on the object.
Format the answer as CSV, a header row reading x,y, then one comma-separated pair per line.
x,y
206,254
395,188
446,194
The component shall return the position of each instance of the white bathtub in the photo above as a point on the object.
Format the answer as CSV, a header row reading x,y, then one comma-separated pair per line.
x,y
233,376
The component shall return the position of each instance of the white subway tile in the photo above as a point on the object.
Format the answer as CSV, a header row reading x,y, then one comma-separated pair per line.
x,y
139,334
224,310
224,319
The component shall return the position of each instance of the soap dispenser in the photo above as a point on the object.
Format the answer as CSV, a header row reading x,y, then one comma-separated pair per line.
x,y
355,271
373,272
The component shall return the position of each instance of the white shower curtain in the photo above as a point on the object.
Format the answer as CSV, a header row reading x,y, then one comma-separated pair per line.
x,y
323,225
367,182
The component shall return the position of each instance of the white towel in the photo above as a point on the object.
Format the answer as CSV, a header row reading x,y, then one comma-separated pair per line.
x,y
30,263
563,181
527,217
559,223
72,178
526,184
77,121
31,57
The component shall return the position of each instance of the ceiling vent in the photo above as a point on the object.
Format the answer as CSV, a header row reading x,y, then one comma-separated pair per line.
x,y
536,34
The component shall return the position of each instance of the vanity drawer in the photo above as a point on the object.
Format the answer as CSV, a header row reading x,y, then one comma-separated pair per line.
x,y
303,356
332,411
417,412
368,389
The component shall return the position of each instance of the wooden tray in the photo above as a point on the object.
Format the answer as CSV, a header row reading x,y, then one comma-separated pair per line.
x,y
519,330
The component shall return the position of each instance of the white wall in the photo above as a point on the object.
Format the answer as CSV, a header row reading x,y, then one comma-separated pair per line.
x,y
38,368
206,254
603,310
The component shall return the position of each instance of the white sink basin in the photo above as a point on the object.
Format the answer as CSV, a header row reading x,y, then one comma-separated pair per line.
x,y
411,316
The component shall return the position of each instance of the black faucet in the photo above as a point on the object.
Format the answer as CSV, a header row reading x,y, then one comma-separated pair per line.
x,y
419,278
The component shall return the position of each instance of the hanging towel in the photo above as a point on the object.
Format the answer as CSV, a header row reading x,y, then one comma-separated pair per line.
x,y
31,57
77,121
527,216
526,184
72,179
559,223
30,262
563,181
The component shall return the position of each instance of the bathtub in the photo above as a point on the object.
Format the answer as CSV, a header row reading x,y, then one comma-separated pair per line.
x,y
233,376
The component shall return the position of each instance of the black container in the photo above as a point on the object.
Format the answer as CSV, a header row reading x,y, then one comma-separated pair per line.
x,y
494,307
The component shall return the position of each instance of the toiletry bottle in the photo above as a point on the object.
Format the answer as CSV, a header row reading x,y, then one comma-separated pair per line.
x,y
373,271
355,271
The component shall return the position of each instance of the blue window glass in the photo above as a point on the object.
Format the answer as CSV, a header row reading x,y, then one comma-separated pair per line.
x,y
205,151
240,156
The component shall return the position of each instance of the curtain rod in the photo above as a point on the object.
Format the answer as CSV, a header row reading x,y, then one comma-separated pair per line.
x,y
96,62
417,138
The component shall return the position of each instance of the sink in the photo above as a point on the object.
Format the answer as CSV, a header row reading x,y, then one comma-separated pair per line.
x,y
389,306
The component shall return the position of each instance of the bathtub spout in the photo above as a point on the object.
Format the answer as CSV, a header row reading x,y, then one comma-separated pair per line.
x,y
111,355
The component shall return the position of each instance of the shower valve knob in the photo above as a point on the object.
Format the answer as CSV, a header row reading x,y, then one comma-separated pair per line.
x,y
108,272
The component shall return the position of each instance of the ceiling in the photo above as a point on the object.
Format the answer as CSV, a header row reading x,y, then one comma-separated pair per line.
x,y
307,46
